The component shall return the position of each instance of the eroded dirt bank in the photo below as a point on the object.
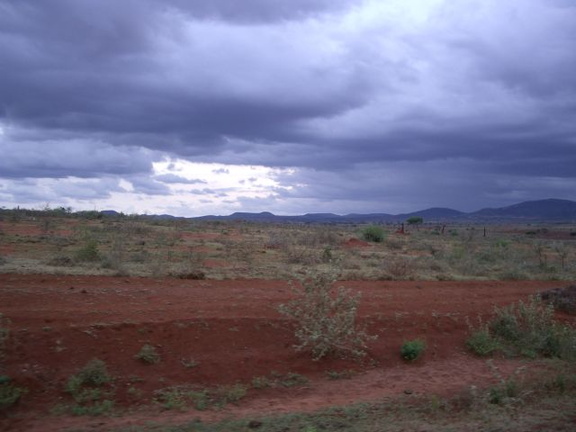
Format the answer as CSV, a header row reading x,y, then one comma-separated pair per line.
x,y
232,333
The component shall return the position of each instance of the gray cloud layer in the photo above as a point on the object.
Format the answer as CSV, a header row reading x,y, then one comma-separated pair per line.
x,y
104,88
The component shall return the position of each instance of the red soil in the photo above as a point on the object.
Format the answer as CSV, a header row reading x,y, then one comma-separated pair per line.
x,y
354,243
234,332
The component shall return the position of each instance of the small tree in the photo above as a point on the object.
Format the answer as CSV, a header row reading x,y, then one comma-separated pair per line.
x,y
326,319
415,220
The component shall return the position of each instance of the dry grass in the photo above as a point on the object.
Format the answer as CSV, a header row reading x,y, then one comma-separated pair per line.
x,y
132,246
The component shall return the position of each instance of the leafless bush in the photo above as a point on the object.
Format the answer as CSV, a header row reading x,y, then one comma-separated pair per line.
x,y
298,254
400,268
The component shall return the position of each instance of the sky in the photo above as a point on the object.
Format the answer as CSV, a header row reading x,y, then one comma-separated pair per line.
x,y
193,107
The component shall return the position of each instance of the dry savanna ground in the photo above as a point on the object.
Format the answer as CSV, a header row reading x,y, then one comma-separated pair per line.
x,y
136,324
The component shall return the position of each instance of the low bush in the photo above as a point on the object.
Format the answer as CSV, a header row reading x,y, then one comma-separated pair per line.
x,y
87,388
374,233
413,349
9,393
148,354
504,392
326,319
526,329
481,341
88,253
94,374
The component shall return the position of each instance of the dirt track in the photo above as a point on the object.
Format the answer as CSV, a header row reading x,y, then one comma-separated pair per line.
x,y
234,332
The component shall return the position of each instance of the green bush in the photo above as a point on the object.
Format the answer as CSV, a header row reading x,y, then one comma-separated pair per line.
x,y
95,373
88,253
374,233
148,355
326,319
9,393
481,342
413,349
502,393
87,390
526,329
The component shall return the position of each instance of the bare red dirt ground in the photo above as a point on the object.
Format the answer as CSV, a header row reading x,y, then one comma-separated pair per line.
x,y
232,329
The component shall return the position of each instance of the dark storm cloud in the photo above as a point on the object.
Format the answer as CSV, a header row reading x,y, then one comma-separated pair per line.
x,y
97,67
56,191
54,159
257,11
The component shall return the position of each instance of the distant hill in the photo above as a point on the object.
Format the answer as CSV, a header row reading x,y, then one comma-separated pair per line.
x,y
434,214
547,210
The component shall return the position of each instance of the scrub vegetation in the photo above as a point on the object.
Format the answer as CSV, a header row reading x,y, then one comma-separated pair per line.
x,y
312,308
93,243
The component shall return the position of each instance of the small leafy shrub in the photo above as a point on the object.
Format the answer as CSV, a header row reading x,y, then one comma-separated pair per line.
x,y
413,349
327,255
88,253
326,319
374,233
9,393
481,342
261,382
94,374
148,354
504,392
87,388
293,379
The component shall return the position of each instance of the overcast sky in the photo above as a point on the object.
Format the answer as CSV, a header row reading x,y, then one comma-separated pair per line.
x,y
194,107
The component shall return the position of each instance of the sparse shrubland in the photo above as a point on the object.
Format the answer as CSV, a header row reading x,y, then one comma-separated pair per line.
x,y
139,246
320,318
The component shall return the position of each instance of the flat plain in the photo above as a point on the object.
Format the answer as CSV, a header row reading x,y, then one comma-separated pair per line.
x,y
180,320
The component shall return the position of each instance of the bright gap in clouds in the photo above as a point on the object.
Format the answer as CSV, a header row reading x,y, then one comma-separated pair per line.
x,y
215,188
175,186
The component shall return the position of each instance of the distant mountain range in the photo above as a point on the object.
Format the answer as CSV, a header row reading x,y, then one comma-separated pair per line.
x,y
547,210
